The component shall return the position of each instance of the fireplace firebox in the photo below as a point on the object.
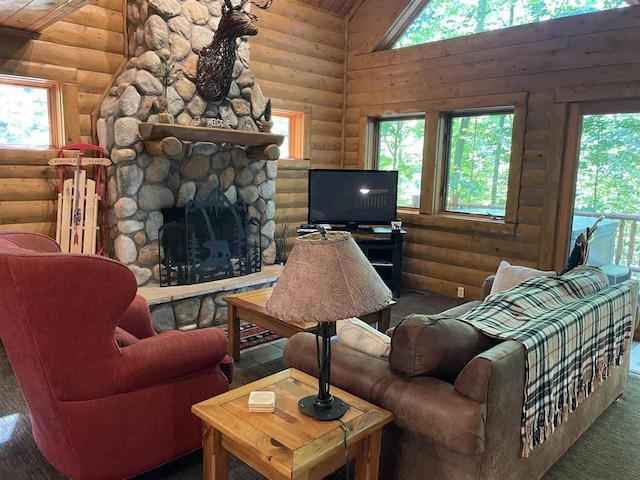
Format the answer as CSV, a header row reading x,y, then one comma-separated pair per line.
x,y
209,240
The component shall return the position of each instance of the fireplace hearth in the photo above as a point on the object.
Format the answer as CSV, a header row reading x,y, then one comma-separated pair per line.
x,y
207,241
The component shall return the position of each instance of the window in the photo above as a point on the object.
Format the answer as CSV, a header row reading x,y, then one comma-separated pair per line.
x,y
459,164
477,169
28,113
400,147
291,125
443,19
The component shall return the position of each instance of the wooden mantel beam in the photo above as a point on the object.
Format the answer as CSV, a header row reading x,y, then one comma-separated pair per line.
x,y
159,131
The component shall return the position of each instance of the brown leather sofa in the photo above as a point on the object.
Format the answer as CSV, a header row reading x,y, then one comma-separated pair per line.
x,y
456,428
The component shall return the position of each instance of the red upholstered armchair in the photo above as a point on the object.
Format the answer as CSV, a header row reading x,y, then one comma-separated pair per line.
x,y
100,410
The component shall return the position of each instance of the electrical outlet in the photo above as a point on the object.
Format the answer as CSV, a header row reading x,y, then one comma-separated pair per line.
x,y
460,292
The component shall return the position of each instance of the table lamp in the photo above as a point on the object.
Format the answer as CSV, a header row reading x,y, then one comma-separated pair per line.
x,y
326,278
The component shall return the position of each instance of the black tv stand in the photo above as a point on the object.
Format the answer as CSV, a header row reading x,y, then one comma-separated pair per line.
x,y
381,245
353,227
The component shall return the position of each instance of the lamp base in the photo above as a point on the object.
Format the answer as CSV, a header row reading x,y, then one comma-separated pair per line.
x,y
309,406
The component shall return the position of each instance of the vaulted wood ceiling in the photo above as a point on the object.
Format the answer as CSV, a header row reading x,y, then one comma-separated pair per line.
x,y
35,15
339,7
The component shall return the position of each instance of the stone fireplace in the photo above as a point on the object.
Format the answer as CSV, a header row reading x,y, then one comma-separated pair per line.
x,y
143,180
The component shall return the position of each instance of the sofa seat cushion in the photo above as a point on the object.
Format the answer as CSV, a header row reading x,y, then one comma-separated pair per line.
x,y
435,345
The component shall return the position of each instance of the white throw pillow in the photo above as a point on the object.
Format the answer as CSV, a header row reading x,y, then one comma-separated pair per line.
x,y
356,334
508,276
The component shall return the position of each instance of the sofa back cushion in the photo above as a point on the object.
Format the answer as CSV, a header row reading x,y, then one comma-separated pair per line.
x,y
435,345
508,276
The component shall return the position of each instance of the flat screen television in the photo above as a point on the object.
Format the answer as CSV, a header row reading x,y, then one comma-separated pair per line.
x,y
352,197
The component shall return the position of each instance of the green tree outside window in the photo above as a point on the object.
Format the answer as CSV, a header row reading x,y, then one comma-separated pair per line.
x,y
24,116
400,147
443,19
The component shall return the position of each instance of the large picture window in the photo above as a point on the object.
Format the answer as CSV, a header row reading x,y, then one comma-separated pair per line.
x,y
478,156
28,113
443,19
400,146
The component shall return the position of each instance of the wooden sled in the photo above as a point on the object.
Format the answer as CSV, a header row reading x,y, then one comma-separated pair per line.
x,y
79,197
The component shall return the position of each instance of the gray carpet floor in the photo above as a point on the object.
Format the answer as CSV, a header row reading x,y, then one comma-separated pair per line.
x,y
608,449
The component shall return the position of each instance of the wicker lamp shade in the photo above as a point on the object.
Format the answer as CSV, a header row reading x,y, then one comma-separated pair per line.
x,y
326,279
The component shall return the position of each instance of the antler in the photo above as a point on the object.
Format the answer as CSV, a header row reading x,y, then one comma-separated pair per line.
x,y
264,6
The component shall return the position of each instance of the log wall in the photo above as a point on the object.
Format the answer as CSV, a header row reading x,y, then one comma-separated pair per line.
x,y
82,51
299,61
292,187
599,49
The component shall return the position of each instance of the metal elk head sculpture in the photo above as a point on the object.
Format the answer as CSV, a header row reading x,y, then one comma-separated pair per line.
x,y
215,64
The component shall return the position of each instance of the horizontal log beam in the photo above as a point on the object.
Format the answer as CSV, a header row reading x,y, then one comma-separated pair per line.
x,y
158,131
26,212
270,152
169,146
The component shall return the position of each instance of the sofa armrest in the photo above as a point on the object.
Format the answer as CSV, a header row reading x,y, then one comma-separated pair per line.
x,y
137,319
425,405
480,375
486,286
171,355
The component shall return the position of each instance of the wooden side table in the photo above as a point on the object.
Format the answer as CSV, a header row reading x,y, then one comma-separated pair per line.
x,y
250,306
287,444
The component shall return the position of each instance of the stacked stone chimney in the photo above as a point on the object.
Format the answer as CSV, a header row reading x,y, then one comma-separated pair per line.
x,y
141,184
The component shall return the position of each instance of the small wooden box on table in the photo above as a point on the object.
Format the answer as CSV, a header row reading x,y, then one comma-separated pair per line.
x,y
287,444
250,306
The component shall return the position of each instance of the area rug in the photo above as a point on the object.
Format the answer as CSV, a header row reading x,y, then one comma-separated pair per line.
x,y
252,334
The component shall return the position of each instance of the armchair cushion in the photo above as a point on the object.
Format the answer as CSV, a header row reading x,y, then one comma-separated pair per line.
x,y
124,338
170,355
435,345
136,320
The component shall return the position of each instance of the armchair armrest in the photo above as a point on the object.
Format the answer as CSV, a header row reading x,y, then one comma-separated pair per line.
x,y
424,405
35,242
137,319
170,355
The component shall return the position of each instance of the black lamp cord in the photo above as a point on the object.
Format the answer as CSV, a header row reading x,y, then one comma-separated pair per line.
x,y
345,429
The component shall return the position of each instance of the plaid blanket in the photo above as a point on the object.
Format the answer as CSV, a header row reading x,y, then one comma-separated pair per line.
x,y
572,338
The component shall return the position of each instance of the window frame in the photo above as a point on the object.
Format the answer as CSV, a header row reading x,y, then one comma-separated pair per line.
x,y
375,150
446,156
298,126
54,106
436,113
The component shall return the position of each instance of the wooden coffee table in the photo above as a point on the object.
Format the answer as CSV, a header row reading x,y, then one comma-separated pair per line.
x,y
250,306
287,444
